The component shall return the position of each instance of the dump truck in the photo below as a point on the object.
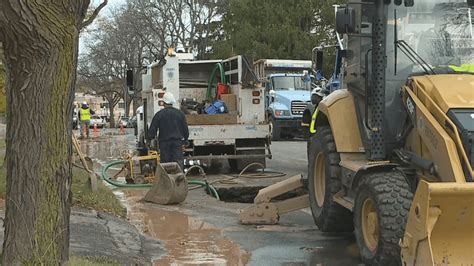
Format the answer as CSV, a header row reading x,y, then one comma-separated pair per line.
x,y
392,158
241,134
287,92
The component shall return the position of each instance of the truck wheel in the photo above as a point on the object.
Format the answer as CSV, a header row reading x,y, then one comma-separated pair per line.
x,y
237,165
324,182
233,165
381,210
275,130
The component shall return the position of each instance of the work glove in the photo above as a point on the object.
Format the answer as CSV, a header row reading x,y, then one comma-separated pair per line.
x,y
147,143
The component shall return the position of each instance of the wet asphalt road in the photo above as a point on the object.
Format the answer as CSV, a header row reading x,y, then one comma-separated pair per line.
x,y
295,241
288,157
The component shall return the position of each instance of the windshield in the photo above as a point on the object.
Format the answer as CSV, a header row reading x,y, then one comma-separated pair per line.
x,y
290,83
439,31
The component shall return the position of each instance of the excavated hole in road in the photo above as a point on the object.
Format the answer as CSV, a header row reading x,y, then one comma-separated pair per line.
x,y
247,194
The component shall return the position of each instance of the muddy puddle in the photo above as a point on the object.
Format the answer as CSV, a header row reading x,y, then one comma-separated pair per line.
x,y
188,241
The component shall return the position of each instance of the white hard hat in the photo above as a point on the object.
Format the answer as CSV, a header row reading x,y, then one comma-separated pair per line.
x,y
84,103
318,91
168,98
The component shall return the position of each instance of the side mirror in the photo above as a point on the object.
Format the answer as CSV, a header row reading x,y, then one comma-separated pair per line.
x,y
272,94
129,75
345,20
318,60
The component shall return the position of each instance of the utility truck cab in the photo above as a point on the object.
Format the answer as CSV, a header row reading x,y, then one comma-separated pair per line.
x,y
287,92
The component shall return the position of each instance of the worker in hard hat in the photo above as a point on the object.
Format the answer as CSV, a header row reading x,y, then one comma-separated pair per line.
x,y
85,113
172,129
317,96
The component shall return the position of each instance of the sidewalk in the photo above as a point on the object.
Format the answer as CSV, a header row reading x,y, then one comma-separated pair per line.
x,y
96,234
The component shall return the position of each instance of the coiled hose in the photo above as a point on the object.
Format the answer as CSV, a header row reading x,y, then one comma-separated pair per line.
x,y
107,179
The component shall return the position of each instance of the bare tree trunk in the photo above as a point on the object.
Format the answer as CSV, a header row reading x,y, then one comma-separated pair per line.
x,y
40,42
111,112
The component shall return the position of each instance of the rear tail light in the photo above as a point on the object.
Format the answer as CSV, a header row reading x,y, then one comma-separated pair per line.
x,y
161,94
161,103
255,93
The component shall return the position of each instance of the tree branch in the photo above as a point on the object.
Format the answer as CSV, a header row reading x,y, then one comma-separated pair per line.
x,y
94,14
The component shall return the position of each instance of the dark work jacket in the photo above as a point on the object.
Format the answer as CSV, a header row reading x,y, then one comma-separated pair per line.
x,y
171,124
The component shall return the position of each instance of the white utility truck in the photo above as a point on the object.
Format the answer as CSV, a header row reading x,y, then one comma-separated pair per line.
x,y
241,134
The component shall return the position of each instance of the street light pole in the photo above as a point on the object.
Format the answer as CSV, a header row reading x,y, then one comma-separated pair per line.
x,y
125,101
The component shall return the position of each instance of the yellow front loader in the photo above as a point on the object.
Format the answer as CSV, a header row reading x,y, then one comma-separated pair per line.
x,y
393,153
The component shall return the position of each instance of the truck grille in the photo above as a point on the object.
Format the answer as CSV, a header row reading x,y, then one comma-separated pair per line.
x,y
297,107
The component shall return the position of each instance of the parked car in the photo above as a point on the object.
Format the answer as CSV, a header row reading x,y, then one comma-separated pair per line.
x,y
97,120
132,123
123,121
75,122
106,118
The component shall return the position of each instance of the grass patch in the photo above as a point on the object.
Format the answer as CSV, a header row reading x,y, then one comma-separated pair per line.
x,y
101,200
91,261
3,177
82,195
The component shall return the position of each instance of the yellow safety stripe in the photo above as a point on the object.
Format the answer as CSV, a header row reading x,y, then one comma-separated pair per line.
x,y
312,128
85,114
463,68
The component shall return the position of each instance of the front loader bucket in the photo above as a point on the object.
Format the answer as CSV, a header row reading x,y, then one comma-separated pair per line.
x,y
170,185
440,227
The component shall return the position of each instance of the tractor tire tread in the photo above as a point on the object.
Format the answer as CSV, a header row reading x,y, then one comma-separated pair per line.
x,y
393,198
334,217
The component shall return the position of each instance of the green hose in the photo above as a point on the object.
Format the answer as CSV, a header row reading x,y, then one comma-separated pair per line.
x,y
107,179
218,67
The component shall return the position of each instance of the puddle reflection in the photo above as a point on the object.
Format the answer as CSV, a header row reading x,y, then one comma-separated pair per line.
x,y
189,241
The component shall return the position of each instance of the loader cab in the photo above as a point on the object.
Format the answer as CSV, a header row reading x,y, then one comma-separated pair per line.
x,y
376,66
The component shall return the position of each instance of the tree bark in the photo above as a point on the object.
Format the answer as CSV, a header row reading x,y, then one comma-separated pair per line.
x,y
111,111
41,41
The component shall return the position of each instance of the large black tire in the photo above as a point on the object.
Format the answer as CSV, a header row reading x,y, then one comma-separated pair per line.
x,y
276,130
388,195
327,214
237,165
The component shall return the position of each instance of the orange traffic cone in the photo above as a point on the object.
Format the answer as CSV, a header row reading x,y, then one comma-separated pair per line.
x,y
96,131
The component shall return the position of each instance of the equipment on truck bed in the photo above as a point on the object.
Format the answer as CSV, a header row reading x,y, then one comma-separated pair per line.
x,y
392,156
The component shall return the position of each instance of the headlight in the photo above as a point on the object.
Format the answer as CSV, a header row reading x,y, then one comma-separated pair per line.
x,y
282,113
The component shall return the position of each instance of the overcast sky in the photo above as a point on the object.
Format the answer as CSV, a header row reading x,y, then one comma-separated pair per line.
x,y
104,12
